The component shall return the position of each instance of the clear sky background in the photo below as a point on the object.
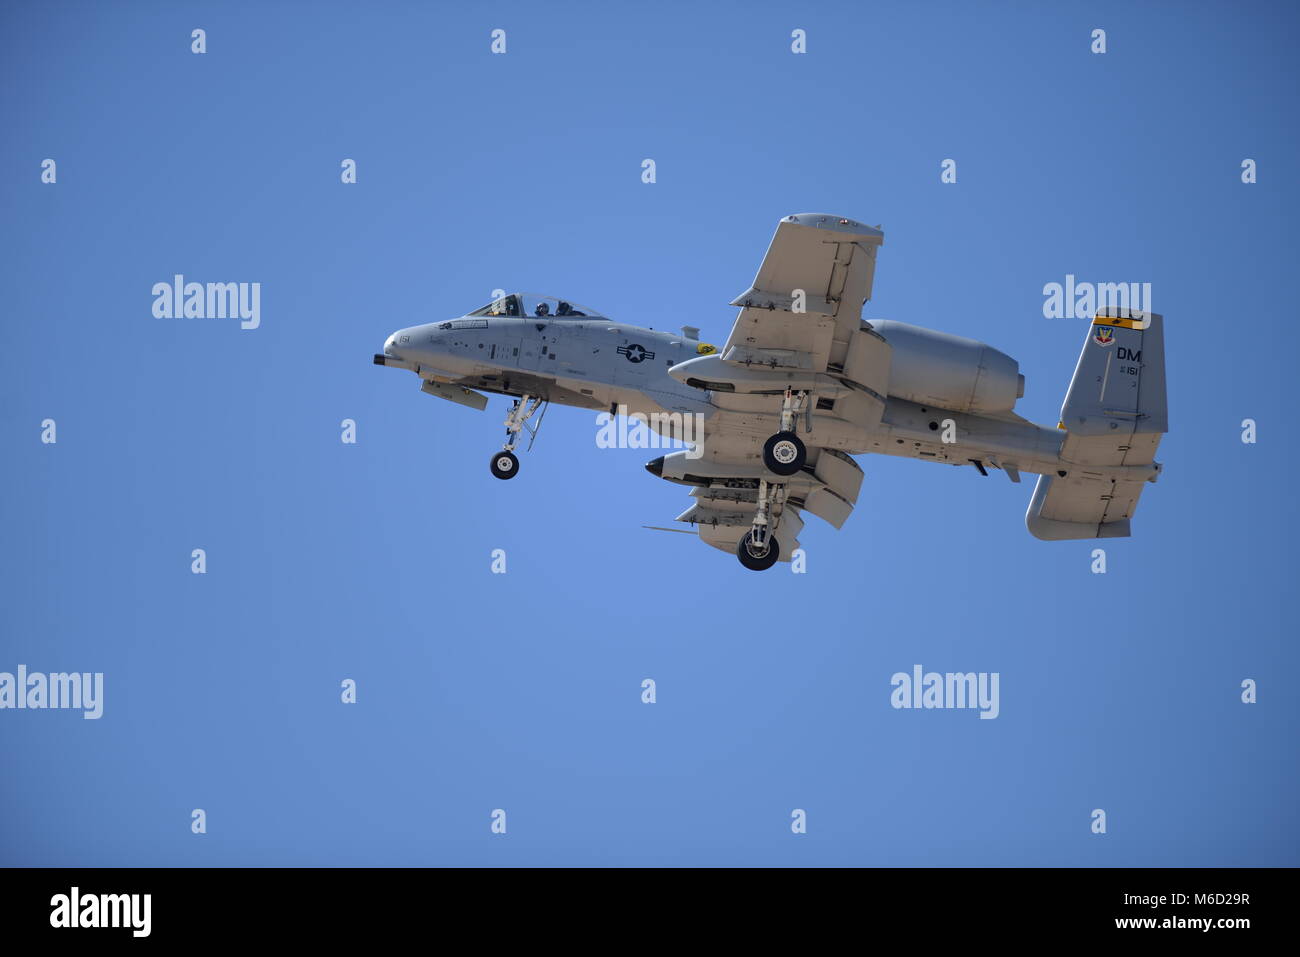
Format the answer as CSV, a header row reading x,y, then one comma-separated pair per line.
x,y
522,691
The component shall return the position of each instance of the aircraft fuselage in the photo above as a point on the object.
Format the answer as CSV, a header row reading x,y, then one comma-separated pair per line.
x,y
603,365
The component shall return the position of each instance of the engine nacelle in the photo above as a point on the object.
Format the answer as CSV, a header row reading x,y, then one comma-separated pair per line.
x,y
949,372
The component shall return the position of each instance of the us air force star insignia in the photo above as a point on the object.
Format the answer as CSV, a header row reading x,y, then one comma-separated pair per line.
x,y
635,353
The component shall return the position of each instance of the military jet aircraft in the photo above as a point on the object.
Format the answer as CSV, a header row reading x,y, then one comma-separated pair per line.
x,y
802,384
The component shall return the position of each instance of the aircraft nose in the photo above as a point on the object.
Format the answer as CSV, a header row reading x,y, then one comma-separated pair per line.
x,y
390,349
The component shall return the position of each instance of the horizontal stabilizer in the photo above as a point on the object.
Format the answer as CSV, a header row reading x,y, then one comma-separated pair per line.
x,y
1078,507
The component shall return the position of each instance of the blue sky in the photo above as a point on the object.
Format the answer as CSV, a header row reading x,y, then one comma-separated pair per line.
x,y
522,691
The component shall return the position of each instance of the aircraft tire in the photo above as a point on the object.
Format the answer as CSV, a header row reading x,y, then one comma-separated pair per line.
x,y
758,563
784,453
504,465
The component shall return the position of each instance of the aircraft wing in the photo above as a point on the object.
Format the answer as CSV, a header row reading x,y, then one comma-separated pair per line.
x,y
807,297
799,337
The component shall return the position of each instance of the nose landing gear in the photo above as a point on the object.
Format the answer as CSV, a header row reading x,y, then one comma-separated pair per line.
x,y
505,464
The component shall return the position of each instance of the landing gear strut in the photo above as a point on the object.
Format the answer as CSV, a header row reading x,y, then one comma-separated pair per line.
x,y
505,464
785,453
759,549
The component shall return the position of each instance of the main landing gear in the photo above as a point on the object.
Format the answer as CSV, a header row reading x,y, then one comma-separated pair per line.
x,y
785,453
505,464
759,549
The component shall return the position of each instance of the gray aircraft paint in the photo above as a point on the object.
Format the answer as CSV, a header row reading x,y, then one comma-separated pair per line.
x,y
1092,465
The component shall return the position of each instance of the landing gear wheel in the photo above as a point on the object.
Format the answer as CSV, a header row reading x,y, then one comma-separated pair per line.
x,y
758,559
784,453
505,465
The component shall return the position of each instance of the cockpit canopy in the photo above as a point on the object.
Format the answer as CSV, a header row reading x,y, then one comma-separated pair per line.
x,y
529,304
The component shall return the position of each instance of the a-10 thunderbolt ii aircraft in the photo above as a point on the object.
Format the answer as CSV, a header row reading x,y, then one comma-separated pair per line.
x,y
802,384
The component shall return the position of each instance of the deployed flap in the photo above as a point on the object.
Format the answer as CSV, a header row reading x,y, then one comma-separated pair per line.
x,y
839,473
829,507
867,361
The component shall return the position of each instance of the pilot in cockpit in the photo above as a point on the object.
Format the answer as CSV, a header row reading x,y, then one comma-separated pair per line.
x,y
542,309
